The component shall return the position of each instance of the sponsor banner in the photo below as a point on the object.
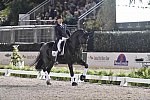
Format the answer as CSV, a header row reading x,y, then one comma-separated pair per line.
x,y
100,59
28,57
111,59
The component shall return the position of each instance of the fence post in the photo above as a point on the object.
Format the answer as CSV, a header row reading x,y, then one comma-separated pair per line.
x,y
35,35
124,82
12,40
7,72
52,33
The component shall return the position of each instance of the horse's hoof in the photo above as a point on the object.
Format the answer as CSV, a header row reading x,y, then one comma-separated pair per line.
x,y
74,84
82,77
48,83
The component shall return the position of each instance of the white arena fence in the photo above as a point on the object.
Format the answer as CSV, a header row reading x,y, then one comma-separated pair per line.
x,y
40,75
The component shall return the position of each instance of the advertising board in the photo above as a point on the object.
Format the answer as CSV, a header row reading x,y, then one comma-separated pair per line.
x,y
28,57
99,59
111,59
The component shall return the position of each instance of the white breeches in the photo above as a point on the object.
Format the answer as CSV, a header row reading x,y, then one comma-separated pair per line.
x,y
59,43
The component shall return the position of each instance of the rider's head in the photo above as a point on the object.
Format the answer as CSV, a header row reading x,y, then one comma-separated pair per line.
x,y
59,19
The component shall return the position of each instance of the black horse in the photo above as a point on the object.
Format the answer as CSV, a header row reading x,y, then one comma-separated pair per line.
x,y
72,54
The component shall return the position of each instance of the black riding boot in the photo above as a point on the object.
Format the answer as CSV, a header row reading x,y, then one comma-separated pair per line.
x,y
55,59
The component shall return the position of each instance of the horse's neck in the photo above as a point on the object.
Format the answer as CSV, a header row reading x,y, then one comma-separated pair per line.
x,y
73,41
72,45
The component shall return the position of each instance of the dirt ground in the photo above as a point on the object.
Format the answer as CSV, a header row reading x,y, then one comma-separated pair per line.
x,y
15,88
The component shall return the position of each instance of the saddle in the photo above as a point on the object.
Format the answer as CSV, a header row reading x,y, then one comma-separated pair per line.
x,y
62,48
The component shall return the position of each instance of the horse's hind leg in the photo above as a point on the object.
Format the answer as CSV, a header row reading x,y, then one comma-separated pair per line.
x,y
72,75
47,71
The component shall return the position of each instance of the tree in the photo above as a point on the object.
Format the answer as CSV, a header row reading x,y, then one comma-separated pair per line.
x,y
107,15
18,7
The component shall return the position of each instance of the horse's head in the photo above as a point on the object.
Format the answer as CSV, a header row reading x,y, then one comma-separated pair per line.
x,y
80,38
83,37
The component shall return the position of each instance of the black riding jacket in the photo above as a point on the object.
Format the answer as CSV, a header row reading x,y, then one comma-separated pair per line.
x,y
60,31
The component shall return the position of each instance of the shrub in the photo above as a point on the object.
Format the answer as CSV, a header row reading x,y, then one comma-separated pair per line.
x,y
121,74
121,41
16,58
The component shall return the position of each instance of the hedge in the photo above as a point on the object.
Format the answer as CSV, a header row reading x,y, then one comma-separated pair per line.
x,y
22,47
121,41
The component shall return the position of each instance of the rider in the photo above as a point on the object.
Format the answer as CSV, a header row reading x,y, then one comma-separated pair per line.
x,y
62,34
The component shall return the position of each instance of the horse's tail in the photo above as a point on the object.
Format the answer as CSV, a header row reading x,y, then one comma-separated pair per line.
x,y
37,62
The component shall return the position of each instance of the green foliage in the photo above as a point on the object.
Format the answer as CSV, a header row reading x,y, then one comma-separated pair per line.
x,y
7,67
16,58
60,70
102,73
2,66
93,81
121,74
18,7
92,25
141,73
24,76
26,68
110,73
15,7
4,13
1,73
121,41
91,72
61,78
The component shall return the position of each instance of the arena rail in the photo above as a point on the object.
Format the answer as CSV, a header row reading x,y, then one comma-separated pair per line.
x,y
40,75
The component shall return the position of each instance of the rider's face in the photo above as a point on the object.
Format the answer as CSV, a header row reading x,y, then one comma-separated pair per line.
x,y
60,20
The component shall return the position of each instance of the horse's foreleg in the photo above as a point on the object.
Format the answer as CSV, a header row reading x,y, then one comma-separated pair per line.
x,y
47,78
72,75
47,72
83,76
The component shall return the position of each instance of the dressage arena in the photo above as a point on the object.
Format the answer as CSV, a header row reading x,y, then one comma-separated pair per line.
x,y
15,88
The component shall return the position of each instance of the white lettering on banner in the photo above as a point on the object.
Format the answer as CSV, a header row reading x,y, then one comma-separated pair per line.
x,y
121,63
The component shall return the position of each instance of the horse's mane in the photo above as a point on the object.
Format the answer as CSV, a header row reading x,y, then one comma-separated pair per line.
x,y
76,32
